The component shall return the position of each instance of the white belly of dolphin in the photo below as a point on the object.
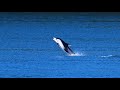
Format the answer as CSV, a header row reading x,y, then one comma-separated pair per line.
x,y
60,44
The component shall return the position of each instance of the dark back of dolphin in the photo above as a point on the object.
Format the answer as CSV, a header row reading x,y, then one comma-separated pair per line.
x,y
64,43
67,48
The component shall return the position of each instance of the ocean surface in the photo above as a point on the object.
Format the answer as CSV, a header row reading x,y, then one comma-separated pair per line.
x,y
27,49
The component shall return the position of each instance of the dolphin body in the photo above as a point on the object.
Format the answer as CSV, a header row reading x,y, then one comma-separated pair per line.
x,y
63,45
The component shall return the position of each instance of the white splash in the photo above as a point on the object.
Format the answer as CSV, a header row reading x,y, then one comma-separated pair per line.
x,y
107,56
77,54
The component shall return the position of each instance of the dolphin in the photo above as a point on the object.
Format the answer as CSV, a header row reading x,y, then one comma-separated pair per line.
x,y
63,45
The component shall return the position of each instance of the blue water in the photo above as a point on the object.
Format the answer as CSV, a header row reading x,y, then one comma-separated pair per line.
x,y
28,51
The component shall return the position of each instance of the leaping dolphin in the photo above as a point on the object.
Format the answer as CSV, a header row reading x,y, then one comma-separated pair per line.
x,y
63,45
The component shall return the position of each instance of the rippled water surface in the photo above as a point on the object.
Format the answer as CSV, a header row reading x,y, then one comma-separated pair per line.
x,y
28,51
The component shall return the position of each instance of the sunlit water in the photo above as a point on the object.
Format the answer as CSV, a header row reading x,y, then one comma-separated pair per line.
x,y
28,51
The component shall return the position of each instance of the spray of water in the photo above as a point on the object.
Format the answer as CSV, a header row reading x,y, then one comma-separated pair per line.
x,y
77,54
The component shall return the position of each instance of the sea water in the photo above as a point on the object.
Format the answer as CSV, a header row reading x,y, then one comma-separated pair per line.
x,y
28,51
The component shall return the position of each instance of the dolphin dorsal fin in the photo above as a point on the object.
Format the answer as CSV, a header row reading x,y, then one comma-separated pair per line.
x,y
68,44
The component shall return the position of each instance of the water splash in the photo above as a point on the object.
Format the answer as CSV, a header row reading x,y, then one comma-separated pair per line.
x,y
77,54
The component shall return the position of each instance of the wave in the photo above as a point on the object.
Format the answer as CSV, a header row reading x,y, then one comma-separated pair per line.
x,y
108,56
